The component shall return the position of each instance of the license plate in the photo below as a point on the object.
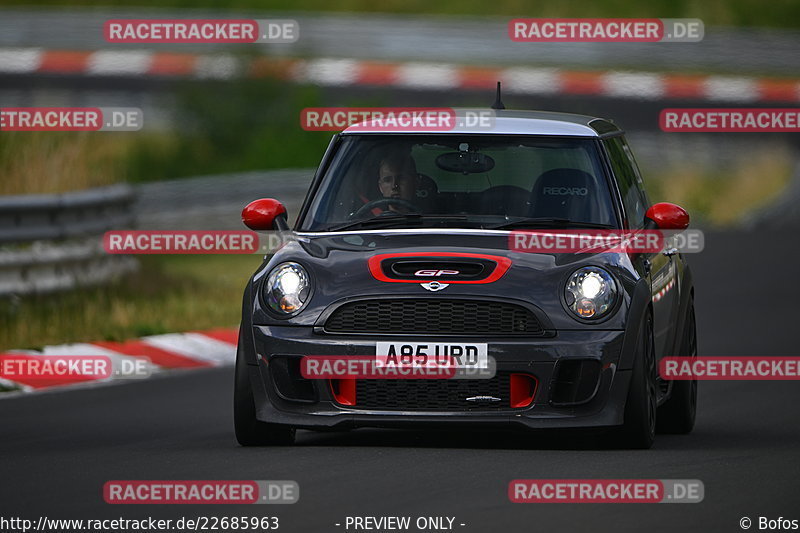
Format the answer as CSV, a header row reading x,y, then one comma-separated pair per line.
x,y
432,354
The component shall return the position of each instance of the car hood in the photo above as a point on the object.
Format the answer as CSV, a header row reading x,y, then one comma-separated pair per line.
x,y
343,266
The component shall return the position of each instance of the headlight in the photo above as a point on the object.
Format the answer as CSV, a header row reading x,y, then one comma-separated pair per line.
x,y
287,288
590,292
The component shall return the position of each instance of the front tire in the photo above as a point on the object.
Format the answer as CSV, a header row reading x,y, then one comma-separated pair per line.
x,y
677,415
639,427
249,430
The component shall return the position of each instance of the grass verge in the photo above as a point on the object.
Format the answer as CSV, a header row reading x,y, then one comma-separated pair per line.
x,y
780,13
56,162
170,293
721,196
233,127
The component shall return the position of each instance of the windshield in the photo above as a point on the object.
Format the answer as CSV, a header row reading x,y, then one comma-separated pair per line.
x,y
461,181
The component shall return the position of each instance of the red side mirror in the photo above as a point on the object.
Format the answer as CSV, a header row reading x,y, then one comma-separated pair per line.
x,y
668,216
261,214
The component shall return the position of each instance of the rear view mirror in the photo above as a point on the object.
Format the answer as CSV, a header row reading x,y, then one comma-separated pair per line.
x,y
265,214
668,216
465,162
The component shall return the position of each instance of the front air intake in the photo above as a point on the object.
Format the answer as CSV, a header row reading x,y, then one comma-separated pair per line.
x,y
411,316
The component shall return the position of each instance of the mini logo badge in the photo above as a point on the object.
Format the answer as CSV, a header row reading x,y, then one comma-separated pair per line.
x,y
434,286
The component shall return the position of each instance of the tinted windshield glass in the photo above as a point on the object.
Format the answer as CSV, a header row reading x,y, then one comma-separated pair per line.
x,y
468,181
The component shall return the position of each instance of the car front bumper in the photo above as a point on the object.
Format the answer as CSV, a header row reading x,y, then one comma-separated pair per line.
x,y
277,399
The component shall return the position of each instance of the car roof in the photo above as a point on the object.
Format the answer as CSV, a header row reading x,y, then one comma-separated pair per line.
x,y
517,123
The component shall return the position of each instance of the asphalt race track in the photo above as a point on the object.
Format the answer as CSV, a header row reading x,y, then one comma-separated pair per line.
x,y
58,449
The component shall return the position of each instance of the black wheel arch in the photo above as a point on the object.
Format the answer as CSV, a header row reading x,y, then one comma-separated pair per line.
x,y
641,306
687,299
246,338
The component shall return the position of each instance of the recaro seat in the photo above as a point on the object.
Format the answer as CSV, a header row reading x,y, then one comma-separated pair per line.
x,y
565,193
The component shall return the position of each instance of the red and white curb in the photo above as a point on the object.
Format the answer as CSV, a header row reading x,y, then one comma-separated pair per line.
x,y
408,75
200,349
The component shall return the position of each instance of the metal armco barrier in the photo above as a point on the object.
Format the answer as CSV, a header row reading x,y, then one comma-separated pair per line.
x,y
53,242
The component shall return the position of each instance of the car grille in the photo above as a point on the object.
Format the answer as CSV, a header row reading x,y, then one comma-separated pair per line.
x,y
438,317
433,394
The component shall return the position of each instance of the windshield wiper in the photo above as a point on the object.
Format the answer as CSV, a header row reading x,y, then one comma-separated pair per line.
x,y
543,222
377,221
393,219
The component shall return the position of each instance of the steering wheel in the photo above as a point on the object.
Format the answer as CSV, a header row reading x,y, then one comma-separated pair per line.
x,y
385,202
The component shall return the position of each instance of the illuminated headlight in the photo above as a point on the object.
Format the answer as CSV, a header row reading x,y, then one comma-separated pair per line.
x,y
287,288
590,292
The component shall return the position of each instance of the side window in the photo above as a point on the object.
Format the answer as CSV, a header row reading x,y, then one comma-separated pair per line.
x,y
635,167
629,180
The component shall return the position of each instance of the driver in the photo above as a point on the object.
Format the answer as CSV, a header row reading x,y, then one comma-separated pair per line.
x,y
397,179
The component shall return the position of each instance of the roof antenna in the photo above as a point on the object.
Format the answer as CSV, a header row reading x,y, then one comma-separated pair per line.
x,y
498,103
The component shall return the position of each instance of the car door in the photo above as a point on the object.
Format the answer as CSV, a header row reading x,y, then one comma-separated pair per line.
x,y
662,265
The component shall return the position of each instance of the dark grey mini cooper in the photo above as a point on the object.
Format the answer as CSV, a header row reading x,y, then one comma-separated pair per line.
x,y
404,246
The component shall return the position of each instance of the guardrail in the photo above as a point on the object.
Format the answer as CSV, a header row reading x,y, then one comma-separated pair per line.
x,y
52,242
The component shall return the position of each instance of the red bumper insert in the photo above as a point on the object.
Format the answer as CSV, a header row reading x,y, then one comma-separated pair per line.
x,y
523,390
